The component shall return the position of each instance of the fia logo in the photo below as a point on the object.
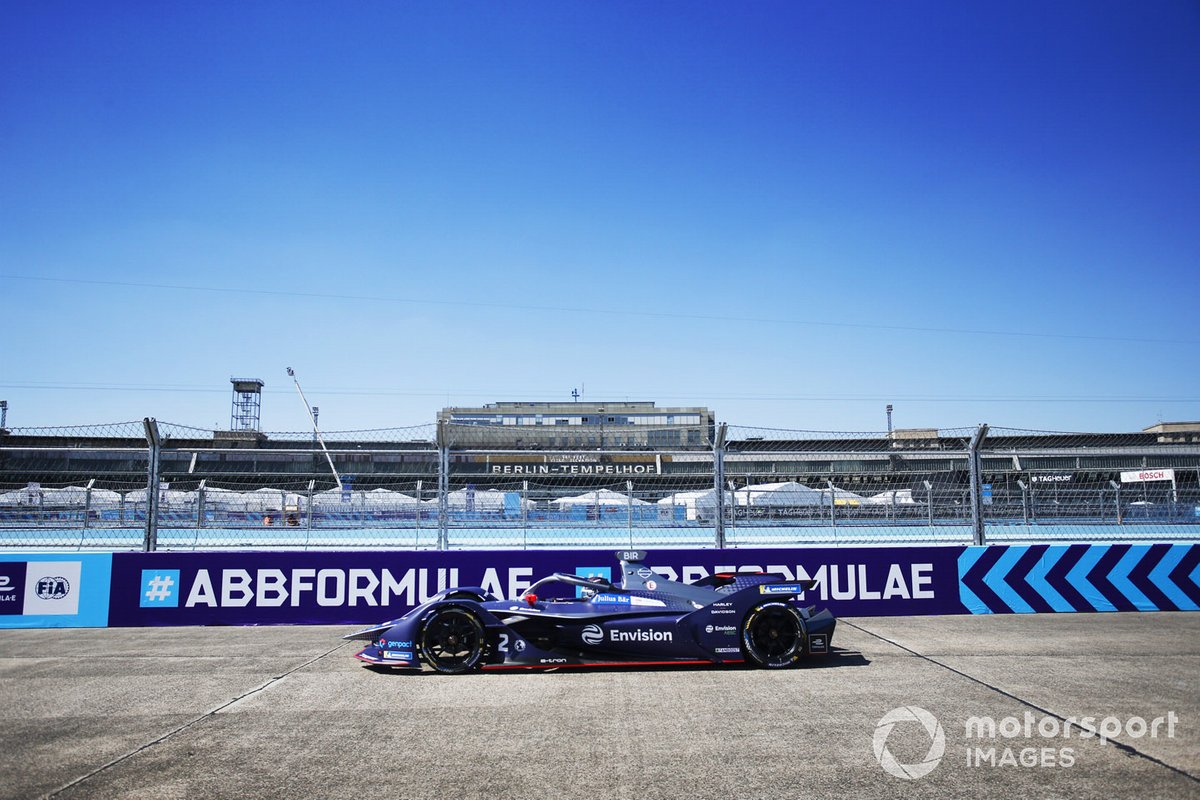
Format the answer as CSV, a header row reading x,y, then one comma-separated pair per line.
x,y
53,587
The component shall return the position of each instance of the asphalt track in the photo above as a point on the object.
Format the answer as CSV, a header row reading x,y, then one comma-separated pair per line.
x,y
287,712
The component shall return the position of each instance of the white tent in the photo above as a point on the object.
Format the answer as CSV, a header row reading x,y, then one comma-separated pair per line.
x,y
702,502
898,497
335,496
389,498
166,497
77,496
264,499
257,501
843,497
477,499
21,497
700,496
378,498
598,497
788,494
373,498
66,496
222,499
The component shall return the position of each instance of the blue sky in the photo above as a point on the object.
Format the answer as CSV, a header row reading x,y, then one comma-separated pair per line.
x,y
790,212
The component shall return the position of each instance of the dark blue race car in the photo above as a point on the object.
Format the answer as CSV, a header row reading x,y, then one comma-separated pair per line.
x,y
568,621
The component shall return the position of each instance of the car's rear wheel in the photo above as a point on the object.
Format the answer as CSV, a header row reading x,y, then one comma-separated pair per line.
x,y
773,635
452,640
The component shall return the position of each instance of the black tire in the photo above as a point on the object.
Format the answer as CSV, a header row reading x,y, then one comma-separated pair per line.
x,y
773,636
452,640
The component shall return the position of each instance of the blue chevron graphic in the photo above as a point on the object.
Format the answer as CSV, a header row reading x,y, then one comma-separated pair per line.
x,y
1119,578
1018,578
1078,578
1183,575
1057,577
1161,575
995,580
966,560
1140,577
1026,579
1036,578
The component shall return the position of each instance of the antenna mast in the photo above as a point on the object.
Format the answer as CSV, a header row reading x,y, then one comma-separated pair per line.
x,y
316,431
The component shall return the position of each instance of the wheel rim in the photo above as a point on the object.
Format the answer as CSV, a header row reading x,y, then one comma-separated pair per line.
x,y
774,636
453,640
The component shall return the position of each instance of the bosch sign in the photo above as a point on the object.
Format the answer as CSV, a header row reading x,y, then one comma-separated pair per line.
x,y
1142,476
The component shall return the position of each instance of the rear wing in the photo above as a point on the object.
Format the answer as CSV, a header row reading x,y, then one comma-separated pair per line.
x,y
780,584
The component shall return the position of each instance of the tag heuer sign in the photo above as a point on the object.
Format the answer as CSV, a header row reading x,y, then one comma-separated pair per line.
x,y
1141,476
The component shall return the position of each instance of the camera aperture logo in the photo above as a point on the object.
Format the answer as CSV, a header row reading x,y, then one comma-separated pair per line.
x,y
937,743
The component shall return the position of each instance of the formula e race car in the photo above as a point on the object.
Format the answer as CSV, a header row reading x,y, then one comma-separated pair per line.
x,y
569,621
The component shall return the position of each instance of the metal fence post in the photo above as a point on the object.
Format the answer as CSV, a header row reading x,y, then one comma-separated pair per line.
x,y
719,486
308,506
87,502
524,514
87,509
975,463
154,442
733,504
1024,501
417,530
200,492
832,504
629,510
443,485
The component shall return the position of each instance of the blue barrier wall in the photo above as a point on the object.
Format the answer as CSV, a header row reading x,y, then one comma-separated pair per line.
x,y
55,590
1080,577
335,587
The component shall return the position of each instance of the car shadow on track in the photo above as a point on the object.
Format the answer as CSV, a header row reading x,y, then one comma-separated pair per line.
x,y
838,657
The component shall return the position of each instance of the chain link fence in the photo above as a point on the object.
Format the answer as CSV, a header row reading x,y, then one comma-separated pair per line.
x,y
148,485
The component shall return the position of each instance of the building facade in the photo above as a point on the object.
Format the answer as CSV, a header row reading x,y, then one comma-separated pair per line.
x,y
580,425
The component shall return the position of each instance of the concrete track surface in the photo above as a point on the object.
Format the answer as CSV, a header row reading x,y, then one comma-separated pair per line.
x,y
286,712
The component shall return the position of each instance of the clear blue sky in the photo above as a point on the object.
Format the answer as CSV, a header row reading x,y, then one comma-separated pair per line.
x,y
791,212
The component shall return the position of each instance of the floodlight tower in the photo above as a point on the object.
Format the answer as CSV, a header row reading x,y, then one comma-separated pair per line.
x,y
247,404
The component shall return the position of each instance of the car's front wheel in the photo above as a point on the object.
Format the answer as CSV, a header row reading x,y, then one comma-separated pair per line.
x,y
773,635
452,640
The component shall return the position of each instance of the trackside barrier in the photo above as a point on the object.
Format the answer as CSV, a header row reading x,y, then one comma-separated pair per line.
x,y
55,590
609,537
365,587
1080,577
